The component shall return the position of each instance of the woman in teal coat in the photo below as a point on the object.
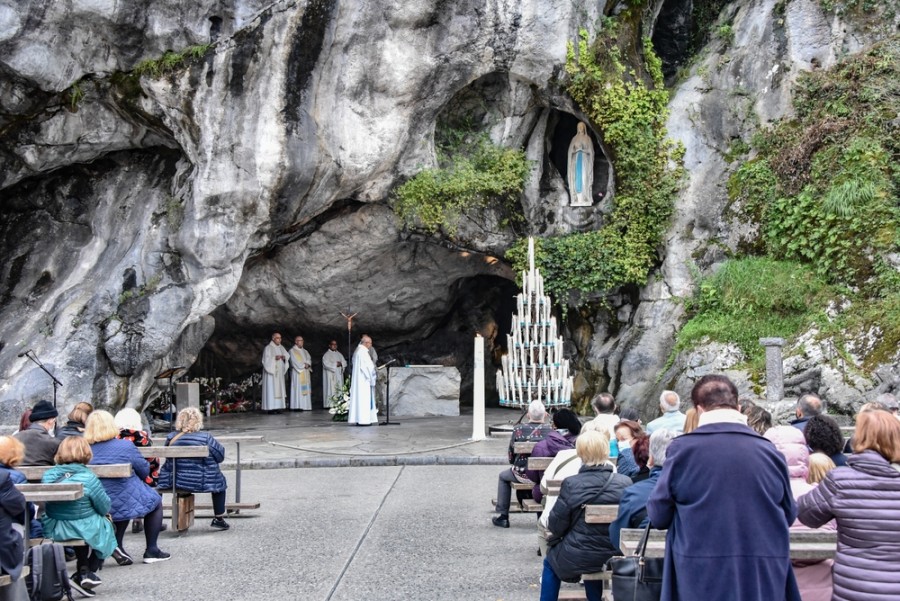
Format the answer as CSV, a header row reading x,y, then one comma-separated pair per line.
x,y
83,518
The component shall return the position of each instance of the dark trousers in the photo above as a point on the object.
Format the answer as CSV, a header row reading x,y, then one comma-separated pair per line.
x,y
152,527
504,491
86,559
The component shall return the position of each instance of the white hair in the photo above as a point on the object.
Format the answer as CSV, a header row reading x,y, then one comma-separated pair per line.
x,y
659,443
669,400
536,411
129,419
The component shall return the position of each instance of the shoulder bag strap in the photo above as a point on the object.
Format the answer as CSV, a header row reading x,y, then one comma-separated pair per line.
x,y
174,438
559,467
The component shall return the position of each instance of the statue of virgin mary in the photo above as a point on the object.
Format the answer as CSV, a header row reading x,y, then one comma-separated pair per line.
x,y
581,168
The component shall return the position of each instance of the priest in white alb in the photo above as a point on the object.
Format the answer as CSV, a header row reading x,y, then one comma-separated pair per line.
x,y
275,366
333,365
301,377
362,386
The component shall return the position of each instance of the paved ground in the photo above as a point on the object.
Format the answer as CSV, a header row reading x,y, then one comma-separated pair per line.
x,y
413,525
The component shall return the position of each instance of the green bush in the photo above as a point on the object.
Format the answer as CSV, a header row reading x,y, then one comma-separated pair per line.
x,y
474,174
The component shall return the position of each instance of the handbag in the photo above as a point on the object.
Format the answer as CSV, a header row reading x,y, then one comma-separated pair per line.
x,y
637,577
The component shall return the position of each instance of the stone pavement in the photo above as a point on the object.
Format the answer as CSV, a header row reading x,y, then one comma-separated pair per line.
x,y
311,439
410,520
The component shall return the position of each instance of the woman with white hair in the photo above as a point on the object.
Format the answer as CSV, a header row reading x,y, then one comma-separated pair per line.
x,y
197,474
131,428
577,547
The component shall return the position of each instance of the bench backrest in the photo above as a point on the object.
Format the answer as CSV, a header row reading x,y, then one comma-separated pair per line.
x,y
805,544
523,448
600,514
34,473
177,452
41,493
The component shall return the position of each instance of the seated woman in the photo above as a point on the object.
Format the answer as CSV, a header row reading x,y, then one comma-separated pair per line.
x,y
864,499
197,474
577,547
132,429
813,577
75,424
83,518
12,451
823,435
626,433
131,497
12,543
566,427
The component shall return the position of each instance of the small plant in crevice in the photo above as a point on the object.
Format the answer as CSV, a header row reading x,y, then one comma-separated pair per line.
x,y
170,61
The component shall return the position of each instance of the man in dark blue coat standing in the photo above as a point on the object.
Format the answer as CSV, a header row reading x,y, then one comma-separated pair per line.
x,y
726,500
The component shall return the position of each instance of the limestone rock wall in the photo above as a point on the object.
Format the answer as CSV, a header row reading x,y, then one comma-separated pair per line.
x,y
247,187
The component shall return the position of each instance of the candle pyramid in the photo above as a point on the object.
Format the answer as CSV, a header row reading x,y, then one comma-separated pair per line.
x,y
533,368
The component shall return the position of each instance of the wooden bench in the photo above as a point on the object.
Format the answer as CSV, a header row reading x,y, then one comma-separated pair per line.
x,y
805,544
182,511
237,440
34,473
42,493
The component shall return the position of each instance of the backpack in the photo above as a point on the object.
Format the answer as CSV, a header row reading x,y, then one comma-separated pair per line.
x,y
49,578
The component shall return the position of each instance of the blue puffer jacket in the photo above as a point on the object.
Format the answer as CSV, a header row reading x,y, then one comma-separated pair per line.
x,y
201,474
131,497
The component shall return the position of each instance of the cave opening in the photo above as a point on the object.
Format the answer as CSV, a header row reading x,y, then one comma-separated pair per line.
x,y
480,303
563,127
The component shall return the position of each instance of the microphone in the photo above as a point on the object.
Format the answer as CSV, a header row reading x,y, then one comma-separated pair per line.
x,y
25,353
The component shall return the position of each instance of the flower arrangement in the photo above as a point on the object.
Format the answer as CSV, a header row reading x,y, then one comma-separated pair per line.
x,y
340,402
227,399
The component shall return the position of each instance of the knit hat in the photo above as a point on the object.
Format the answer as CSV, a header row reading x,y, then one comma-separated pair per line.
x,y
43,410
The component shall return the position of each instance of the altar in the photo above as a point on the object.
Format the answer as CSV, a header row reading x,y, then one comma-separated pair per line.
x,y
424,390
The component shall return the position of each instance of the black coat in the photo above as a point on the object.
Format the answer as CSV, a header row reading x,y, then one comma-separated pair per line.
x,y
584,547
12,511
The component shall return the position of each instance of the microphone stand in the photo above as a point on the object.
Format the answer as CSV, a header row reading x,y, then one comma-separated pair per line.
x,y
56,383
387,398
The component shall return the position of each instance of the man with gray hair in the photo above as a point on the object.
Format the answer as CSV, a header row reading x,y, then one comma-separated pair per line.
x,y
672,417
534,431
808,405
633,504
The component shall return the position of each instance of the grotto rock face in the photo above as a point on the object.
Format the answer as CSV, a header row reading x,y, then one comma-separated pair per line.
x,y
247,187
131,205
738,85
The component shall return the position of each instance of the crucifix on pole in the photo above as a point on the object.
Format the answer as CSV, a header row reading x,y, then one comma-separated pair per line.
x,y
349,319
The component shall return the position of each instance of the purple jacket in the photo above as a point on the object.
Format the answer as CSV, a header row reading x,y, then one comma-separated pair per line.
x,y
549,447
864,499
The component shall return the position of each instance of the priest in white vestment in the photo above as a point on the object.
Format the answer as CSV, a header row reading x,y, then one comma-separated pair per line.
x,y
301,377
275,365
362,386
333,365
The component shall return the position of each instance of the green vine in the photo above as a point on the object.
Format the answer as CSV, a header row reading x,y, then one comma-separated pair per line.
x,y
473,174
629,106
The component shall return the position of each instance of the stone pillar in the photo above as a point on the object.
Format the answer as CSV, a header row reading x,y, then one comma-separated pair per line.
x,y
478,391
774,369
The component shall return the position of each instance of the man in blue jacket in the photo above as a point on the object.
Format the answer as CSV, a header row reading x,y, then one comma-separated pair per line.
x,y
726,500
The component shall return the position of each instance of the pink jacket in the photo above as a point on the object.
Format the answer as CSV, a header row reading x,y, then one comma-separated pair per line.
x,y
813,579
